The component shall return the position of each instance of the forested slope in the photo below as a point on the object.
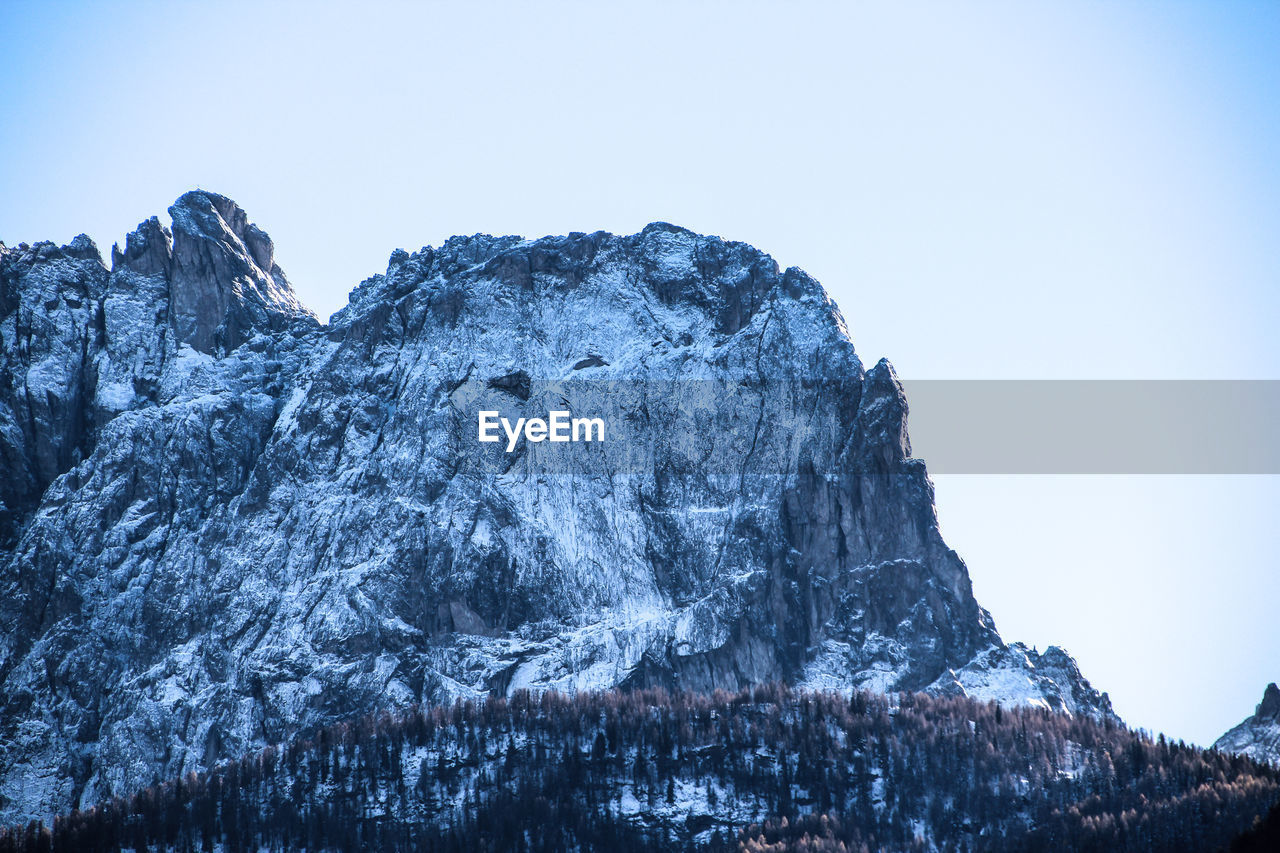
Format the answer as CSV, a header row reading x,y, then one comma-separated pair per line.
x,y
761,769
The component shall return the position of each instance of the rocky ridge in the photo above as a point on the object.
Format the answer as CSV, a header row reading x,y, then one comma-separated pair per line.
x,y
1258,736
225,524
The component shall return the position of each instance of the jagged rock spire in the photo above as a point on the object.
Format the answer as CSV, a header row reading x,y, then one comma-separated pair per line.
x,y
225,281
1269,707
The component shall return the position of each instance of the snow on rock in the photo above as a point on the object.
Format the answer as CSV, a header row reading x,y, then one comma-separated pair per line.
x,y
1257,737
1014,675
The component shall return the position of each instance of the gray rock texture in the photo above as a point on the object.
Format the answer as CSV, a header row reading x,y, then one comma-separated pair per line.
x,y
225,524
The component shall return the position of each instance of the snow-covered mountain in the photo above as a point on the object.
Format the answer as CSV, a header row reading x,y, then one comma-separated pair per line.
x,y
1258,736
224,523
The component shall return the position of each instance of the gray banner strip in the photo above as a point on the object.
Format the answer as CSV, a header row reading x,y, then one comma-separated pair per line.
x,y
769,426
1095,426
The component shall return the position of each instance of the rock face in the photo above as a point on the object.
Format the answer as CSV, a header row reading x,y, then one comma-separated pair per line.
x,y
1257,737
225,524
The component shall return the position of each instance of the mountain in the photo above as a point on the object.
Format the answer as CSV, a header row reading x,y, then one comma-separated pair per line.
x,y
225,524
1257,737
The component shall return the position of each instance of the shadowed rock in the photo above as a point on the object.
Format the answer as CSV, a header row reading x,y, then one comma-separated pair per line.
x,y
225,282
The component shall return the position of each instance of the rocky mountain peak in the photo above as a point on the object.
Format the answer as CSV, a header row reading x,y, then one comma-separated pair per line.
x,y
83,247
1258,736
1269,707
225,282
148,250
887,411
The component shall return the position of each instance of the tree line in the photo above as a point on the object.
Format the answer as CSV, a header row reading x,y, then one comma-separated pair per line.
x,y
763,769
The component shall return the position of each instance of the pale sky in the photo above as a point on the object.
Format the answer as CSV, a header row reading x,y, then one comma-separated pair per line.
x,y
988,190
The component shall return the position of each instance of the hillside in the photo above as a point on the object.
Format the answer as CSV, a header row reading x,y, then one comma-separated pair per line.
x,y
762,769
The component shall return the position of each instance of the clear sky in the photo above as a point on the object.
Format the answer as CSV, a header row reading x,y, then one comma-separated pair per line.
x,y
989,190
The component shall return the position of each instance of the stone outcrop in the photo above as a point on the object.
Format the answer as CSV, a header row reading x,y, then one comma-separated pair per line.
x,y
1257,737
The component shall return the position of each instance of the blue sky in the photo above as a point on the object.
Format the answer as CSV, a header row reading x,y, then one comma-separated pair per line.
x,y
989,190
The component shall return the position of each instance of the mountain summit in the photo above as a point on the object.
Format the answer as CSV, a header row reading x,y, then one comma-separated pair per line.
x,y
225,524
1258,736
